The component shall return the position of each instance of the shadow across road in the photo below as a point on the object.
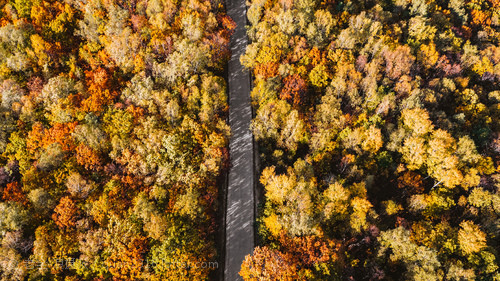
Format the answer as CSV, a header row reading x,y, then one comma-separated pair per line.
x,y
240,195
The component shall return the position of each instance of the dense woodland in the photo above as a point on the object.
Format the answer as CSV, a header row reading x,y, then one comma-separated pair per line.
x,y
378,129
378,126
113,137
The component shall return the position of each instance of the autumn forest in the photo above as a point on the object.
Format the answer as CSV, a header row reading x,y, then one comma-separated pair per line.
x,y
113,137
376,124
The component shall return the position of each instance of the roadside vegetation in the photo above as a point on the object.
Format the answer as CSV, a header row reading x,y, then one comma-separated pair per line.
x,y
378,129
112,138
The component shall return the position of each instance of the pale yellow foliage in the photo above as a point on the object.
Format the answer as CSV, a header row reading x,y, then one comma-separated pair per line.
x,y
470,238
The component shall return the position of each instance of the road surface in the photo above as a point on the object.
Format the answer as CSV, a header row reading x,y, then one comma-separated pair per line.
x,y
240,195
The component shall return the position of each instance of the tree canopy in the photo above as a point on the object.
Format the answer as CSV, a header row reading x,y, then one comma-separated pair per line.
x,y
113,138
377,124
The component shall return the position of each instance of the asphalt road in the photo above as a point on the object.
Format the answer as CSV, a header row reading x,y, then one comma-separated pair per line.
x,y
240,195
